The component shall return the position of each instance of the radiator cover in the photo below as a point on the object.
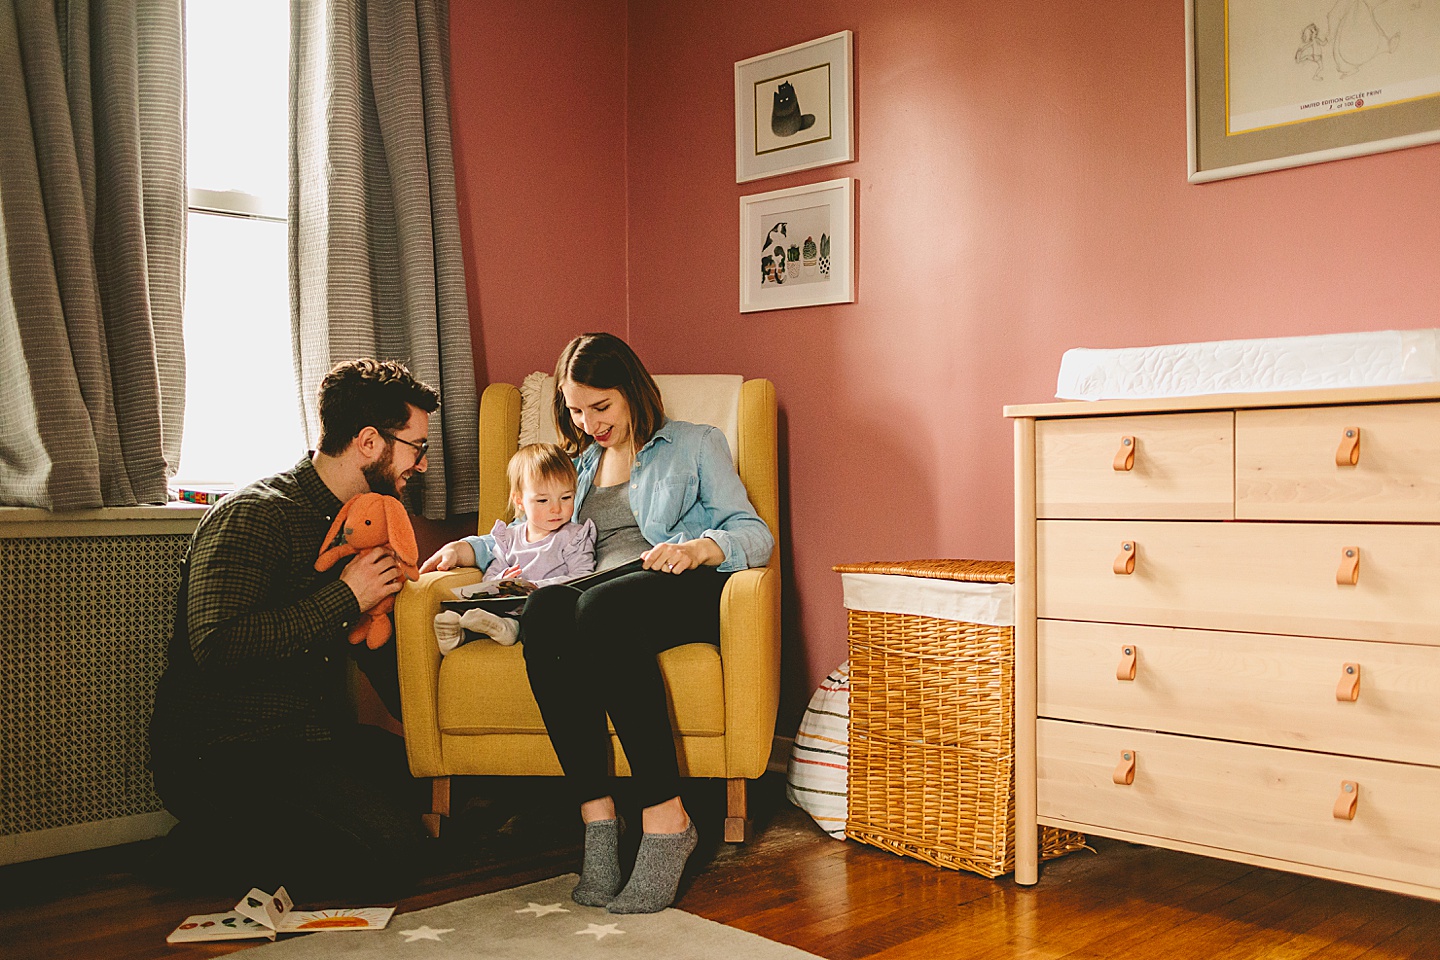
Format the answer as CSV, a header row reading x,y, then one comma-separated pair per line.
x,y
84,623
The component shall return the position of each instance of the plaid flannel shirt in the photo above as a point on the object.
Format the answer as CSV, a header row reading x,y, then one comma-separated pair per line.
x,y
267,648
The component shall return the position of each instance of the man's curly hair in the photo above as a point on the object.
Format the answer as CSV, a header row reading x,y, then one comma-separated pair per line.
x,y
364,393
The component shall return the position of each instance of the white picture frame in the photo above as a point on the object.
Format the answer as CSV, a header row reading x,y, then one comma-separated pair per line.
x,y
794,109
814,227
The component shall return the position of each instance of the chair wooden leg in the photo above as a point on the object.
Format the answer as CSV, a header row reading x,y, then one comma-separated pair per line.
x,y
439,805
737,820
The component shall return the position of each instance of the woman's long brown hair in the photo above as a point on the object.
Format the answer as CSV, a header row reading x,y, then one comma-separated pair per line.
x,y
605,362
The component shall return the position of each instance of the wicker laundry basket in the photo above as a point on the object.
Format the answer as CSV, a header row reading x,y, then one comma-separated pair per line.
x,y
932,726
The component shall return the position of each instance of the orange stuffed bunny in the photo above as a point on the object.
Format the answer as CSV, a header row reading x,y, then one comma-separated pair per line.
x,y
372,520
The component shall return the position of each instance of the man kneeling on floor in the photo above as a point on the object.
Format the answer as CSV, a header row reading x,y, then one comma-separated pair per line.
x,y
253,743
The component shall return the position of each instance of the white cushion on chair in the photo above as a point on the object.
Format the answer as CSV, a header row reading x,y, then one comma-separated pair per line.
x,y
537,416
712,398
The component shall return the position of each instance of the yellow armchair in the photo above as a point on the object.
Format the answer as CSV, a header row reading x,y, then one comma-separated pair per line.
x,y
471,713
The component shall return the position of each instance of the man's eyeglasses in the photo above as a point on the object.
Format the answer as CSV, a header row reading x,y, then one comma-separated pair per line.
x,y
420,448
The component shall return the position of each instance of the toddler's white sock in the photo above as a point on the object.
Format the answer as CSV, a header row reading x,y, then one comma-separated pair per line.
x,y
447,631
503,630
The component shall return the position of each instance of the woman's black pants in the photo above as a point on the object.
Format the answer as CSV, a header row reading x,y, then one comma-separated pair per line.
x,y
593,653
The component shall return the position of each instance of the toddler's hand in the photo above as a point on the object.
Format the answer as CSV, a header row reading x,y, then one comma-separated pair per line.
x,y
511,573
457,553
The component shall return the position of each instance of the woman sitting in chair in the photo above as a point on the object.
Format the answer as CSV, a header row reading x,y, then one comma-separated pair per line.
x,y
665,492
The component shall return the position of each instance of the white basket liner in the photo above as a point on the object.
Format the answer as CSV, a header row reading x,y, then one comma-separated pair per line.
x,y
988,603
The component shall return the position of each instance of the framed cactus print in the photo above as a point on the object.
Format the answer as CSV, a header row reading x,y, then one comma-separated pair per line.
x,y
797,247
793,109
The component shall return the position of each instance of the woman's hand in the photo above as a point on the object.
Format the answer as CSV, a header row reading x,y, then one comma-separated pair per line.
x,y
679,557
456,553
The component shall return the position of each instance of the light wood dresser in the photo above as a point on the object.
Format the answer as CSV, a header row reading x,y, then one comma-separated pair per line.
x,y
1228,629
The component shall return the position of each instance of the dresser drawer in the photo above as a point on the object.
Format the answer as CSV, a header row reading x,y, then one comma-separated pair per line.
x,y
1180,467
1285,463
1257,688
1237,797
1251,577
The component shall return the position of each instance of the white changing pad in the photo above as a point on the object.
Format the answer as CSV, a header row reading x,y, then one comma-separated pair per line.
x,y
1378,358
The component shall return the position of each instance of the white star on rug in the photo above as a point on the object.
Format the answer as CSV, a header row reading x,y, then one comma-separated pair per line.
x,y
599,931
540,909
423,933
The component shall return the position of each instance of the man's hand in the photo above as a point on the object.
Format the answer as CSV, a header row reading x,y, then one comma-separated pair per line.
x,y
456,553
372,576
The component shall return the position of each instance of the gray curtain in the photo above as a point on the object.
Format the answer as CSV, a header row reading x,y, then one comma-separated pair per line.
x,y
92,251
375,260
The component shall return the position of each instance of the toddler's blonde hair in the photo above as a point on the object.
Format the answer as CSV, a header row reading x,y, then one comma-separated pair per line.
x,y
536,462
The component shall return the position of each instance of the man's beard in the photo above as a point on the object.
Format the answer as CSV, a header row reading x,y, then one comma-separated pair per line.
x,y
380,475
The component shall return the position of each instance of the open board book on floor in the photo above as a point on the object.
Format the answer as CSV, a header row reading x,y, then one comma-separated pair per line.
x,y
260,914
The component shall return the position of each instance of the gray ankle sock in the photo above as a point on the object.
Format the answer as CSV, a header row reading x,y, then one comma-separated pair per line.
x,y
600,871
656,877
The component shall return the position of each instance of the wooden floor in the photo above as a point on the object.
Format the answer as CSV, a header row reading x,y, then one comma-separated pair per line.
x,y
795,885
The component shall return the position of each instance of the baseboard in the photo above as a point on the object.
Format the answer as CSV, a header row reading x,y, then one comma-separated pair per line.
x,y
38,844
780,750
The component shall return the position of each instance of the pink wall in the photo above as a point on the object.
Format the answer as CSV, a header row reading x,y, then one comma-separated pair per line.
x,y
538,113
537,109
1021,179
1021,183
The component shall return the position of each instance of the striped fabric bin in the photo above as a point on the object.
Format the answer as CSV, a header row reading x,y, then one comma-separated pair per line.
x,y
815,781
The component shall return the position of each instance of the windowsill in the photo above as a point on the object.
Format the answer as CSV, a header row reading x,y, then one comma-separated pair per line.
x,y
175,517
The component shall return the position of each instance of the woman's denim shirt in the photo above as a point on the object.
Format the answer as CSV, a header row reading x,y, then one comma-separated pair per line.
x,y
683,486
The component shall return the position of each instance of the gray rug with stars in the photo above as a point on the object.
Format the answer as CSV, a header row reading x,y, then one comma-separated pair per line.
x,y
538,921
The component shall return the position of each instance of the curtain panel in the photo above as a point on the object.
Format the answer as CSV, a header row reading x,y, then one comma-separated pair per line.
x,y
375,260
92,251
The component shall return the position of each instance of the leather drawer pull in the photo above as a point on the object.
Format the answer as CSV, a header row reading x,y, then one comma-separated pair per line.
x,y
1125,456
1349,573
1124,773
1126,669
1348,453
1348,689
1125,561
1348,799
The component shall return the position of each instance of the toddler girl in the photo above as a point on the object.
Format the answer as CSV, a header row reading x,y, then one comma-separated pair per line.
x,y
542,545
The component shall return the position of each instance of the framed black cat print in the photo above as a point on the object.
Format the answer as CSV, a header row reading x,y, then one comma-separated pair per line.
x,y
794,109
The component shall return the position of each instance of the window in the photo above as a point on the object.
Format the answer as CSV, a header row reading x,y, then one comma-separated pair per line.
x,y
242,406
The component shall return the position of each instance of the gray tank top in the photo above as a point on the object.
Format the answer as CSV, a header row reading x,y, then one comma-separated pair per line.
x,y
617,536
